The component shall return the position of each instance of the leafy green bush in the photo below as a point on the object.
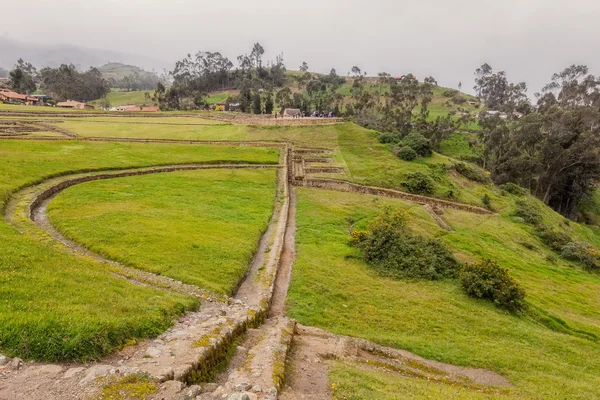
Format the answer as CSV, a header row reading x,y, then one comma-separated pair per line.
x,y
390,248
389,137
582,252
553,237
450,93
404,153
529,212
514,189
418,182
418,143
487,202
472,172
488,280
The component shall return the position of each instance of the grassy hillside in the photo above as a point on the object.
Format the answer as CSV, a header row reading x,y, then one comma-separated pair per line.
x,y
334,289
118,71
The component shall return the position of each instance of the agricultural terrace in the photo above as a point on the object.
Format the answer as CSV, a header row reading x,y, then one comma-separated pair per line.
x,y
233,226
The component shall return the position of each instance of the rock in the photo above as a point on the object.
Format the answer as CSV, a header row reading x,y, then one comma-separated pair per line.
x,y
15,364
50,369
243,386
153,352
209,387
128,370
166,374
239,396
4,360
239,302
171,387
192,392
96,371
71,372
256,388
242,349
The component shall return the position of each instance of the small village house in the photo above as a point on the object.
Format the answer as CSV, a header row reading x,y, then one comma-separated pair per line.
x,y
8,96
74,105
291,113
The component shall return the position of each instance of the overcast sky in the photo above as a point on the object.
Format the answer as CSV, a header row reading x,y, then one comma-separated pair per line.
x,y
529,39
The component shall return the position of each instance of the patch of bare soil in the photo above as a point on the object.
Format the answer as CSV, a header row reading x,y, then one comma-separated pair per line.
x,y
312,347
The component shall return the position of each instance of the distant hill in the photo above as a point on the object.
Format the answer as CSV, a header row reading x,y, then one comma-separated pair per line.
x,y
118,71
83,58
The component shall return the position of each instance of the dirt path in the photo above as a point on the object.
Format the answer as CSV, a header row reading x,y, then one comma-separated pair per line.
x,y
288,255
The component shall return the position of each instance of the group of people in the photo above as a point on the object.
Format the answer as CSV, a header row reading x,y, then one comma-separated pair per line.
x,y
306,114
322,114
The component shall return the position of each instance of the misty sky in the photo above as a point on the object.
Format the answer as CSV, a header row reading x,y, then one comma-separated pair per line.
x,y
529,39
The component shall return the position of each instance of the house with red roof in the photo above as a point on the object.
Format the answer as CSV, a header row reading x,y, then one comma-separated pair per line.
x,y
8,96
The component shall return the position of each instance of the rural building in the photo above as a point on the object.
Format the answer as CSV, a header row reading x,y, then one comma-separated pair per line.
x,y
74,104
291,112
129,108
132,108
8,96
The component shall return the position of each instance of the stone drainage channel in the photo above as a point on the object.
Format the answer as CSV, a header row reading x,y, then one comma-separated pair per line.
x,y
248,331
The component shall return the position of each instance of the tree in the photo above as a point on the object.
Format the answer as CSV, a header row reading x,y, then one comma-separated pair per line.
x,y
256,103
269,104
459,86
256,55
3,73
355,71
66,83
284,98
303,67
23,78
105,103
499,94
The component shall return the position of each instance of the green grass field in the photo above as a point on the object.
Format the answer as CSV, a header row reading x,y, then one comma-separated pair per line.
x,y
56,306
357,150
334,289
118,98
199,227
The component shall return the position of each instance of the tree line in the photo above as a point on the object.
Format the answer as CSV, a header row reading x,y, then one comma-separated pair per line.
x,y
553,148
62,83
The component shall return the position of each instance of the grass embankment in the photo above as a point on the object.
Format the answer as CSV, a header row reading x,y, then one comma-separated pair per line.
x,y
360,383
334,289
57,306
199,227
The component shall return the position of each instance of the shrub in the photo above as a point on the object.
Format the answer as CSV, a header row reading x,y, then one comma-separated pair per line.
x,y
553,237
487,202
488,280
514,189
418,143
390,248
450,93
529,212
405,153
472,172
418,182
389,137
582,252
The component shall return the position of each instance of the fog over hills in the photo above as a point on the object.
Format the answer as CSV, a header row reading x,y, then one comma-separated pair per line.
x,y
54,55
